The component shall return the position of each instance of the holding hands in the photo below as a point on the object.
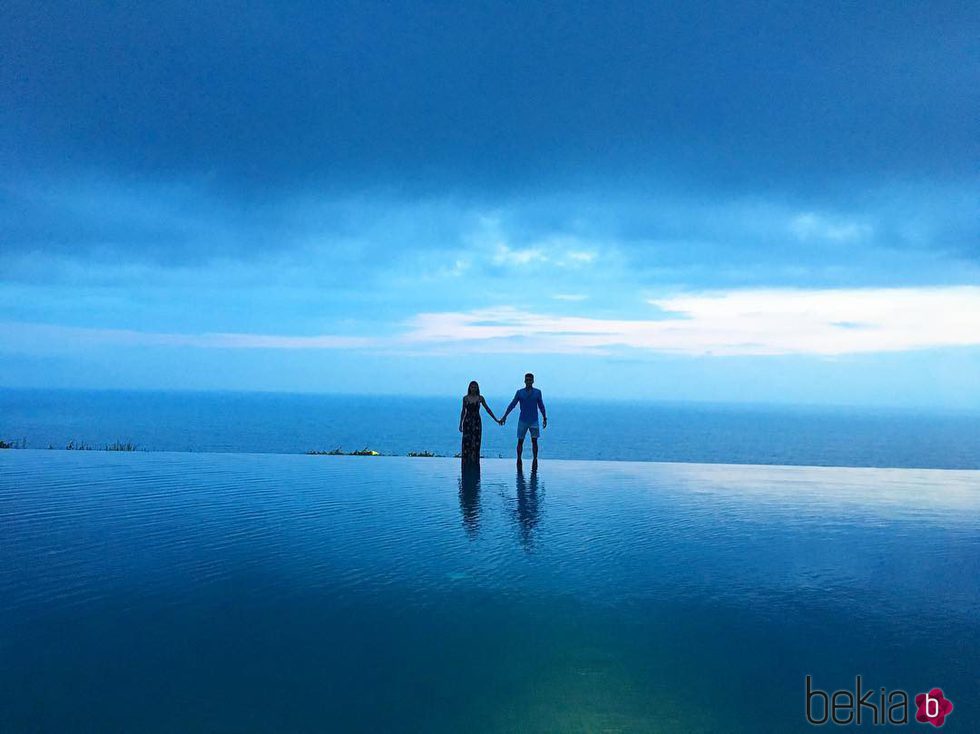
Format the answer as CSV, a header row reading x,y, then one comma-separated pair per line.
x,y
529,398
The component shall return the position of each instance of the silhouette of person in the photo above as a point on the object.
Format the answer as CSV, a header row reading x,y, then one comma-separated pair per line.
x,y
471,425
530,400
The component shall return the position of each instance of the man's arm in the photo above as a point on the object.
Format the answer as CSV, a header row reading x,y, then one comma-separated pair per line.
x,y
541,408
510,407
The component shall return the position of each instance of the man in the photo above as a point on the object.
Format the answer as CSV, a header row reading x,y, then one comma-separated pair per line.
x,y
531,402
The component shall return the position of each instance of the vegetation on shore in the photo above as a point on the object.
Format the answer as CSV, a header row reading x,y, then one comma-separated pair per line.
x,y
127,446
74,445
340,452
366,452
115,446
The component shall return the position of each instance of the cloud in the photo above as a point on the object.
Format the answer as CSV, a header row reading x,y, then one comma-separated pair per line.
x,y
540,254
49,226
347,92
750,322
811,226
580,257
516,257
66,338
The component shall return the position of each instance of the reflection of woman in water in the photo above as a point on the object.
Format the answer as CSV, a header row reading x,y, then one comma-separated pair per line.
x,y
469,498
470,424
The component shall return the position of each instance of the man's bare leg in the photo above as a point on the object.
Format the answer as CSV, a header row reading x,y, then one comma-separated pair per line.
x,y
534,447
520,449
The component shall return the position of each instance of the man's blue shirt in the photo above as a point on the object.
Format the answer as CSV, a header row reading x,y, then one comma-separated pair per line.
x,y
530,401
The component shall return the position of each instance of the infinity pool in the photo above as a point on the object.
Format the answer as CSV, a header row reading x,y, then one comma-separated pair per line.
x,y
155,592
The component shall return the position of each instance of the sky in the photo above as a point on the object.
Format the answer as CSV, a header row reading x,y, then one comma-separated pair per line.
x,y
774,202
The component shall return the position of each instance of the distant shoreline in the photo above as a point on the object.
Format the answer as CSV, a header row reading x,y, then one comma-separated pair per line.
x,y
418,428
129,447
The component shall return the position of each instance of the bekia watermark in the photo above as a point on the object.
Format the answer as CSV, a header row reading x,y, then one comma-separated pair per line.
x,y
878,707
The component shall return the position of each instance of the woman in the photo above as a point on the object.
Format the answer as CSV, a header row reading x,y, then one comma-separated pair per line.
x,y
470,424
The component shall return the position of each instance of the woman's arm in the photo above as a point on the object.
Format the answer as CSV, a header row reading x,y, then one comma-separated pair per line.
x,y
487,407
462,412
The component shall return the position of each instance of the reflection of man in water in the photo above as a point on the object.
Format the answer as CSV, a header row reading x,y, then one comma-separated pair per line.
x,y
527,507
531,403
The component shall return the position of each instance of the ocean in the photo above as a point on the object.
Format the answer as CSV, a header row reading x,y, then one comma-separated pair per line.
x,y
578,429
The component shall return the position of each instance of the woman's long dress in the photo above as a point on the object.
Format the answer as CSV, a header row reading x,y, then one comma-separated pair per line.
x,y
472,433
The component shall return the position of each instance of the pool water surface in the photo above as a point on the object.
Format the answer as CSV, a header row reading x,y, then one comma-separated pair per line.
x,y
158,592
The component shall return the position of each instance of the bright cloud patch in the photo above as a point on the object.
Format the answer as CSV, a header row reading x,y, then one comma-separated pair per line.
x,y
811,226
507,256
744,322
750,322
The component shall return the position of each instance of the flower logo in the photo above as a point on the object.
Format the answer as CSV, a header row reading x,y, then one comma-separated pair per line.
x,y
933,707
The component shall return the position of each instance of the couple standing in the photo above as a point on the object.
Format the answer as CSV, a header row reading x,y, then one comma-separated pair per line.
x,y
471,426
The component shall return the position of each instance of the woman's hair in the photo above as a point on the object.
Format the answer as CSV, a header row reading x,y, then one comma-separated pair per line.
x,y
470,388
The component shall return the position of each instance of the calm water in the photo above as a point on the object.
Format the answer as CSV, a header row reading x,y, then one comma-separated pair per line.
x,y
283,423
163,592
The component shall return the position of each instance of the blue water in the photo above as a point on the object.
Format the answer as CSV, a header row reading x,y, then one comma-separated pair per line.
x,y
166,592
284,423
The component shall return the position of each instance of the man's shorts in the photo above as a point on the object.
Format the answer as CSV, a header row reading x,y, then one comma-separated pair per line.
x,y
523,428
